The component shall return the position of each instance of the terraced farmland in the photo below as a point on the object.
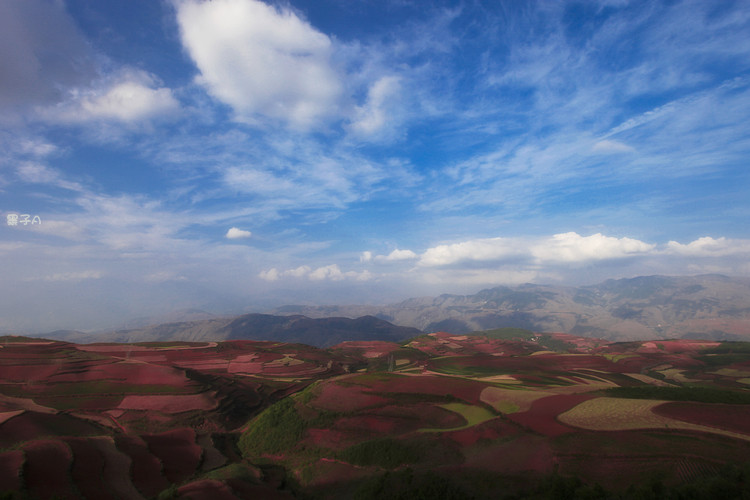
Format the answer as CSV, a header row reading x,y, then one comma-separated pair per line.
x,y
465,414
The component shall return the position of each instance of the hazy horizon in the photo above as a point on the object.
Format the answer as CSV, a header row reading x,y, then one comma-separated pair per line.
x,y
237,155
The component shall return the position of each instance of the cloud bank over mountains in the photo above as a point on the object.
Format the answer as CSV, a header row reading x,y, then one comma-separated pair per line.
x,y
560,257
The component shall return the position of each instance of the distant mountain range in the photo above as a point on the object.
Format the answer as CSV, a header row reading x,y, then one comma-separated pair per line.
x,y
711,307
319,332
648,307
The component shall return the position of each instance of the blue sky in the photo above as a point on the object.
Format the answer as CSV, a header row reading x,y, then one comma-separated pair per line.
x,y
236,155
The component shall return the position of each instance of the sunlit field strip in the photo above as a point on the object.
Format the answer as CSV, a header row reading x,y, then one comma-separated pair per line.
x,y
474,415
511,400
619,414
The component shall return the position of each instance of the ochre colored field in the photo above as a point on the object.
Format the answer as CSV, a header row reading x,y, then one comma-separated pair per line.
x,y
618,414
474,415
542,416
510,400
649,380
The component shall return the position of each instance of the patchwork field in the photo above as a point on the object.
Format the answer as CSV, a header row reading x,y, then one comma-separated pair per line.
x,y
442,416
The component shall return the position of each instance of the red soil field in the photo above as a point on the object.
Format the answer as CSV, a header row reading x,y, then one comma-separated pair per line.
x,y
116,473
728,417
374,424
679,346
145,467
246,367
524,453
419,416
204,365
243,489
114,349
30,425
27,372
326,438
330,471
468,390
45,472
488,431
7,415
367,349
212,457
10,470
169,403
87,471
334,397
139,373
177,451
207,489
542,417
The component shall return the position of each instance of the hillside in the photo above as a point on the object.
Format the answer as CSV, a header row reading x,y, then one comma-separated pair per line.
x,y
647,307
505,413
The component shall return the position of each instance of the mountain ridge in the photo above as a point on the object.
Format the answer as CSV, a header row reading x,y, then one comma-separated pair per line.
x,y
711,307
705,306
319,332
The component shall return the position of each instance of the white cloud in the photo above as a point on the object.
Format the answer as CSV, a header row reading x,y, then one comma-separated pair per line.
x,y
709,247
261,60
608,146
36,147
163,277
382,99
258,181
395,256
482,250
479,277
332,272
366,256
235,233
559,248
324,273
299,272
39,173
63,229
131,96
71,276
572,247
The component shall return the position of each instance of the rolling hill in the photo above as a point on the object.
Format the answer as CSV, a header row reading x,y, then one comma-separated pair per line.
x,y
504,413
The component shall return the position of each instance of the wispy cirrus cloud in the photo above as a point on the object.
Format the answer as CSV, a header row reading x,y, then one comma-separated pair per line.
x,y
132,96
